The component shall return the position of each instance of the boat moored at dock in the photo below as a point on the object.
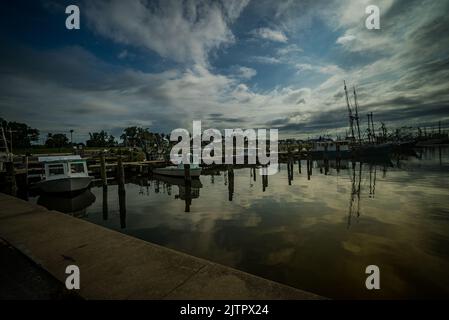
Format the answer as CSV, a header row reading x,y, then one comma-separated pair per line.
x,y
64,174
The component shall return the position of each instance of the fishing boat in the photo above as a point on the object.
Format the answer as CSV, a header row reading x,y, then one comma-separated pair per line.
x,y
330,149
64,174
178,171
373,150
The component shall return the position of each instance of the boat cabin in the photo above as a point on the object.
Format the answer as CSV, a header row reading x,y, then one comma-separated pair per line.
x,y
57,167
330,146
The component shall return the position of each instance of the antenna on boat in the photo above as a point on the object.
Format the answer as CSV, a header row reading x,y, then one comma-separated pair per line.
x,y
351,117
357,114
3,142
372,128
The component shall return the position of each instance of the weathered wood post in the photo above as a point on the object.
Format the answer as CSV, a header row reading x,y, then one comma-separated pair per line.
x,y
120,171
104,177
299,165
188,185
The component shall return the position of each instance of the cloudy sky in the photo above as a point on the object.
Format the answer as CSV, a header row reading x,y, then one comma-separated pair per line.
x,y
229,63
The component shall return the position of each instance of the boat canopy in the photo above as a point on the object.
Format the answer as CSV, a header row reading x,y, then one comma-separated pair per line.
x,y
59,158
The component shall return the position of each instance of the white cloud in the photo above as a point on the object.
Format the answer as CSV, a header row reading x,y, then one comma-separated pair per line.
x,y
183,31
289,49
343,40
266,60
270,34
246,73
123,54
304,67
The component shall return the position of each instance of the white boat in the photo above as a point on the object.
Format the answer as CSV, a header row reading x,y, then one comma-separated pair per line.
x,y
178,171
64,174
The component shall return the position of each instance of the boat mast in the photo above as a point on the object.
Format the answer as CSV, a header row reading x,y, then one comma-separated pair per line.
x,y
4,144
372,130
357,115
369,128
351,117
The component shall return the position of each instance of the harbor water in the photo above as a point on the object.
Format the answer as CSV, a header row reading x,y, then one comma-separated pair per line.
x,y
315,229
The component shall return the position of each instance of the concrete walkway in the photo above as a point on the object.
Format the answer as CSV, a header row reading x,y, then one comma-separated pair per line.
x,y
117,266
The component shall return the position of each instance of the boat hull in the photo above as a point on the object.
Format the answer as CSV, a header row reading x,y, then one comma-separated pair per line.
x,y
330,154
64,185
377,150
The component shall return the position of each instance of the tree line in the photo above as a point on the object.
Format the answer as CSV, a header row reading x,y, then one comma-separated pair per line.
x,y
23,136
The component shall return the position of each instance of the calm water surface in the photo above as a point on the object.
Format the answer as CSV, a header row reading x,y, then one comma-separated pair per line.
x,y
318,235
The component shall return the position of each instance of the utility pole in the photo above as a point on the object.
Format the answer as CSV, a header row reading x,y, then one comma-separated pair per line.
x,y
71,137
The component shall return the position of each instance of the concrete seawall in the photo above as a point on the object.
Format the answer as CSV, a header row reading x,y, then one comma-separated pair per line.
x,y
116,266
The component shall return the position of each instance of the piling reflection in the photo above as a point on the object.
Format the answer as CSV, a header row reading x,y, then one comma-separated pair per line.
x,y
187,190
230,184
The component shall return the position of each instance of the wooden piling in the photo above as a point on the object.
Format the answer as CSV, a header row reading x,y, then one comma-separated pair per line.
x,y
104,177
120,171
122,205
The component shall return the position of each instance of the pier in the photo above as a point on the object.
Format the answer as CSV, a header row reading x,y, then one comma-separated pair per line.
x,y
116,266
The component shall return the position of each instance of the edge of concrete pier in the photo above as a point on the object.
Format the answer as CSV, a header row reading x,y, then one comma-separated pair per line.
x,y
117,266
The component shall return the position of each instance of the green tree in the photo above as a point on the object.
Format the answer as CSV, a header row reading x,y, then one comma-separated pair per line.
x,y
100,139
129,136
58,140
22,135
150,142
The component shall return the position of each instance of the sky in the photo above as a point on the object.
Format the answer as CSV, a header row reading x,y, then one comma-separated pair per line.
x,y
231,64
